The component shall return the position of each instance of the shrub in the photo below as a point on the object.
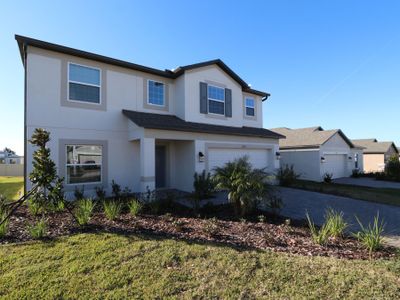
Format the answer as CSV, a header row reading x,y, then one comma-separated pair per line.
x,y
371,236
335,223
126,192
392,168
100,193
210,226
319,236
134,207
38,230
275,204
4,225
328,177
247,187
83,211
112,209
286,175
203,185
355,173
79,194
116,189
203,188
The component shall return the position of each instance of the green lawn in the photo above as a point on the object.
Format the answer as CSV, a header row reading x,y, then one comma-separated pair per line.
x,y
112,266
11,186
385,196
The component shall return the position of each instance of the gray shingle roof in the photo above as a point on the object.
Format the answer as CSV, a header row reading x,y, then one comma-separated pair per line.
x,y
170,122
373,146
311,137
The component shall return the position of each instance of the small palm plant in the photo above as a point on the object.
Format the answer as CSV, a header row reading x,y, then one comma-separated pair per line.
x,y
371,236
246,187
112,209
83,211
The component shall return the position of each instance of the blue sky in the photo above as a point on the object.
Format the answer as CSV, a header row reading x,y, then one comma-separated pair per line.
x,y
329,63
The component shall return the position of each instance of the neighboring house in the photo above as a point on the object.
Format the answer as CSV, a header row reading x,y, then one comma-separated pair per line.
x,y
8,158
313,152
143,127
376,154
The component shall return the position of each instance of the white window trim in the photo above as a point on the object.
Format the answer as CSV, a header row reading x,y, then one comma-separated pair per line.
x,y
148,93
82,83
79,165
216,100
246,106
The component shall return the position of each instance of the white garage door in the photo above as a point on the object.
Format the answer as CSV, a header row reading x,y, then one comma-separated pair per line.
x,y
218,157
336,164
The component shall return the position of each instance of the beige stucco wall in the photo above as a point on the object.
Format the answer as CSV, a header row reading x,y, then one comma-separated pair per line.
x,y
214,75
374,162
127,144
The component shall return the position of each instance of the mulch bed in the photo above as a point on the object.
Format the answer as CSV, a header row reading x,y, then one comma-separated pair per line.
x,y
274,235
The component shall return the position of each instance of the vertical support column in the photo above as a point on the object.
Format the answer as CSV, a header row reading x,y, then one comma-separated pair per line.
x,y
147,164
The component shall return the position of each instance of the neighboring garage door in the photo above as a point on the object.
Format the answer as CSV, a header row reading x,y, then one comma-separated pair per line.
x,y
217,157
336,164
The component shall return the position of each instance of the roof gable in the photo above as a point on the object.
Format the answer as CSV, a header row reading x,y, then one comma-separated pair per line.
x,y
373,146
311,137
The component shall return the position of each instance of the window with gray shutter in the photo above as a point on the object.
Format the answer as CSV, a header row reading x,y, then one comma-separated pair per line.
x,y
203,98
228,103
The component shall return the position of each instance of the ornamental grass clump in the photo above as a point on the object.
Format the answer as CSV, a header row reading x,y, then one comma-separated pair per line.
x,y
335,223
83,211
371,236
135,207
4,225
112,209
319,236
38,230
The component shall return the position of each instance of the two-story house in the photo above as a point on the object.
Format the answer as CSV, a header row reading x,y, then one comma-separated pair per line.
x,y
143,127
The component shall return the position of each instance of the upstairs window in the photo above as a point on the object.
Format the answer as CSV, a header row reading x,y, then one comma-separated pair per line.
x,y
84,164
84,84
156,93
250,107
216,100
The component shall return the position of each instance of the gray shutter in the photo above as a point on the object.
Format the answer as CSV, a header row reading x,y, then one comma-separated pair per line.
x,y
228,103
203,98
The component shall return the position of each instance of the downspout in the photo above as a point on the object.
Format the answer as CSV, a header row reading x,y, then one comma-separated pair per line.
x,y
25,128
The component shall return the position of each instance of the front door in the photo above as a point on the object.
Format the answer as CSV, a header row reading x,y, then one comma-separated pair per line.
x,y
161,166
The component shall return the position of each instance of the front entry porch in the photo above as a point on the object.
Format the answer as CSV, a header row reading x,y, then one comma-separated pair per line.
x,y
166,164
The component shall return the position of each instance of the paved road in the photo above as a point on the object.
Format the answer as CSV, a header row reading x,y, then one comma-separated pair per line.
x,y
298,202
369,182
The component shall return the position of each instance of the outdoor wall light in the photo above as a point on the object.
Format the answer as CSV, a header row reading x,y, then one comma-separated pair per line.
x,y
278,155
322,159
350,158
201,156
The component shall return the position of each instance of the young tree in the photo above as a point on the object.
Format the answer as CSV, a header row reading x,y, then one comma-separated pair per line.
x,y
44,175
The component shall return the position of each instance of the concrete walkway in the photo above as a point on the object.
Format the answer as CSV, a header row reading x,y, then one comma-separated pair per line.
x,y
369,182
298,202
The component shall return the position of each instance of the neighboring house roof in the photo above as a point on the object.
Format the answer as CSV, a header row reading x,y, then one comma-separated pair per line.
x,y
372,146
24,41
171,122
311,137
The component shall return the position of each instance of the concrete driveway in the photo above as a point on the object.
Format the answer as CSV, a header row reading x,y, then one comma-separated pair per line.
x,y
298,202
368,182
